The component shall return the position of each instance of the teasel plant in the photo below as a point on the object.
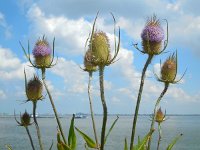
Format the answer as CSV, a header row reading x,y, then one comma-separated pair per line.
x,y
34,88
152,44
90,68
160,117
99,55
25,121
100,47
43,59
168,76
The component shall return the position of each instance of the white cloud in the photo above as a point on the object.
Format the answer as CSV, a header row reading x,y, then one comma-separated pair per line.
x,y
70,34
5,26
124,67
54,91
2,95
73,76
183,17
115,100
132,28
11,67
8,60
70,40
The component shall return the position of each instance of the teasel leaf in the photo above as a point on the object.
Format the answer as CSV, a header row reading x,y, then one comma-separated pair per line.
x,y
72,135
58,138
60,144
141,143
170,146
112,126
125,145
8,147
90,143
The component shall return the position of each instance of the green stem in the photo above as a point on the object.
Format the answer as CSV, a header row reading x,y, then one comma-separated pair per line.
x,y
37,126
30,138
53,106
160,135
105,113
155,109
91,109
139,99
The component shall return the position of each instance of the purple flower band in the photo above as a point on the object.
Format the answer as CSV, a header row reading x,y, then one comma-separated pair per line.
x,y
153,33
41,50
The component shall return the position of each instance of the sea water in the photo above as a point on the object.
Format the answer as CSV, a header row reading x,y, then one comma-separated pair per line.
x,y
16,136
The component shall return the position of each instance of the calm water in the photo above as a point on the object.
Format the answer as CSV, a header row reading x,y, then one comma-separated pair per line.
x,y
16,136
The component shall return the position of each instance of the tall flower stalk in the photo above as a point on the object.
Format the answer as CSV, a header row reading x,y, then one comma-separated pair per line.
x,y
25,122
101,57
90,68
159,136
53,106
105,112
159,118
152,37
155,109
37,126
91,109
168,76
34,94
43,59
139,99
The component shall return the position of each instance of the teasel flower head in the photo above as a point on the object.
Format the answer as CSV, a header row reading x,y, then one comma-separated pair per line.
x,y
169,69
88,65
99,46
42,53
25,119
160,117
34,89
152,36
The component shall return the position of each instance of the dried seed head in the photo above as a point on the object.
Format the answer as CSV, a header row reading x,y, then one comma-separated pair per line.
x,y
160,117
25,119
152,36
42,53
89,66
169,69
34,89
100,48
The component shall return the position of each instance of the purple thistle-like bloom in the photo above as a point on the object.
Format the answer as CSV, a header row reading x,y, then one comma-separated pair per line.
x,y
41,48
153,33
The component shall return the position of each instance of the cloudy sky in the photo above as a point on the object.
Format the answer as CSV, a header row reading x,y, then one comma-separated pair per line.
x,y
70,23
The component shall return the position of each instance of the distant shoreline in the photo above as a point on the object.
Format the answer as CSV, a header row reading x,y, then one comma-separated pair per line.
x,y
69,115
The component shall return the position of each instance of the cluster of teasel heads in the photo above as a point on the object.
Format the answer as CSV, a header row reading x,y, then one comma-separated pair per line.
x,y
152,44
97,57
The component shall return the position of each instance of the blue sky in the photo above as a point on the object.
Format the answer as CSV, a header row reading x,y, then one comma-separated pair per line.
x,y
70,22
